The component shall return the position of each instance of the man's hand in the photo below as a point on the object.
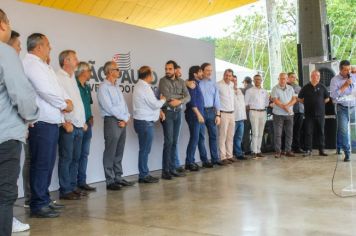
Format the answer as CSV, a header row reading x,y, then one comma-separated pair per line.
x,y
190,84
175,102
85,127
91,121
217,120
162,116
163,98
68,127
121,124
200,119
69,107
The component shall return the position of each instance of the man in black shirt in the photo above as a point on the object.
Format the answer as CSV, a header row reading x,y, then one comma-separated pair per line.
x,y
314,95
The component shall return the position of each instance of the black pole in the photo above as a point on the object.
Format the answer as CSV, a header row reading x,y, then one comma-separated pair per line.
x,y
328,39
300,64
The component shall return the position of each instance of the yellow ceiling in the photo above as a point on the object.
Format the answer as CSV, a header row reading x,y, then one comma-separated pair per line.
x,y
145,13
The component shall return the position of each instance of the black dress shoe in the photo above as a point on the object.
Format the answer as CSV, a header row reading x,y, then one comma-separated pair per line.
x,y
176,174
298,150
192,167
44,212
55,206
113,186
347,158
208,165
148,180
307,153
180,169
219,163
86,187
241,158
322,153
125,183
166,176
80,193
70,196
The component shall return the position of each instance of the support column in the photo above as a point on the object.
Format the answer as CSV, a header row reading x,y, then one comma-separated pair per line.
x,y
274,42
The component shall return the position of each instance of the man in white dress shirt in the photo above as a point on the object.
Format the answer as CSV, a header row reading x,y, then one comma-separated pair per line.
x,y
227,122
146,111
257,100
43,136
71,132
240,117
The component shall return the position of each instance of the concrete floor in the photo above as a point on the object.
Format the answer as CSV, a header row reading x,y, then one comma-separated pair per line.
x,y
265,197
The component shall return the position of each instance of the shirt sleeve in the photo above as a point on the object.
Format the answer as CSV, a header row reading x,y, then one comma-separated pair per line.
x,y
216,98
193,100
326,93
44,87
266,99
186,95
301,93
247,97
334,89
107,105
274,93
21,93
152,101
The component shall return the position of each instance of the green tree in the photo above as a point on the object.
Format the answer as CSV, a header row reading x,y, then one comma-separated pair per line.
x,y
246,43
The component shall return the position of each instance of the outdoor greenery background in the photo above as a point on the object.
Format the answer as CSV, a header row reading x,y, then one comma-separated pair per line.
x,y
246,42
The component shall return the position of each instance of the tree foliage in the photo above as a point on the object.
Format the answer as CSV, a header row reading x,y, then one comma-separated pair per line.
x,y
246,43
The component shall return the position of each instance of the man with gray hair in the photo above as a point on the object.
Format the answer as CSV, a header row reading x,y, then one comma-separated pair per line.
x,y
18,108
83,74
283,97
43,135
113,109
71,132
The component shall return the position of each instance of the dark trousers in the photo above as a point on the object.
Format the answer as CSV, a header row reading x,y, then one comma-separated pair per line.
x,y
10,152
209,116
246,139
171,128
310,124
280,124
115,138
69,149
83,161
26,173
144,130
297,128
196,139
43,139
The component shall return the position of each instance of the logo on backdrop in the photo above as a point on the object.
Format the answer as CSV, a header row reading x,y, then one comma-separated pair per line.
x,y
128,76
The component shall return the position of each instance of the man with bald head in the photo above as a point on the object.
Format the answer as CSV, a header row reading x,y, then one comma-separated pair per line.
x,y
314,95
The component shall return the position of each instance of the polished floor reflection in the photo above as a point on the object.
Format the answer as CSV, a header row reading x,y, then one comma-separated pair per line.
x,y
265,197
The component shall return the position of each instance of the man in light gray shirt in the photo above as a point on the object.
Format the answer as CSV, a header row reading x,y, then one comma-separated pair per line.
x,y
283,97
18,107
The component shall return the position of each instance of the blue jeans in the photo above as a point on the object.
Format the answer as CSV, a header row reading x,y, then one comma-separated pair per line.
x,y
83,161
69,149
197,138
171,128
144,130
239,132
209,116
343,117
43,139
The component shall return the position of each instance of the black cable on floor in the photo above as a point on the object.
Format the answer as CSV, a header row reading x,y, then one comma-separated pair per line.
x,y
332,181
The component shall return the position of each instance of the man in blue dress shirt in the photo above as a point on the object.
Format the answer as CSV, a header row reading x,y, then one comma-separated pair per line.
x,y
211,110
113,108
341,86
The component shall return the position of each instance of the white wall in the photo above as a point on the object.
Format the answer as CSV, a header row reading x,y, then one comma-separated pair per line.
x,y
98,40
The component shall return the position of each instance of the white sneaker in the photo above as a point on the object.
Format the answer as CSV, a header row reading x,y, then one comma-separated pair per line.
x,y
17,226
